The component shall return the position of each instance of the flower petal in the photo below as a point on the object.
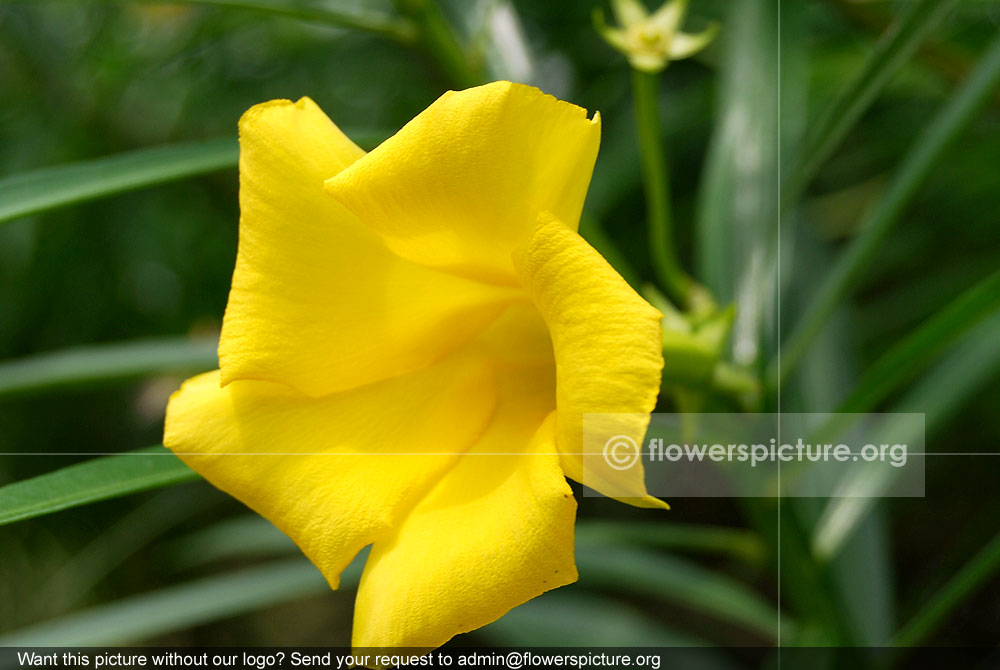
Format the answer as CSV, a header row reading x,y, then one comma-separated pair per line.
x,y
496,532
667,19
318,302
628,12
460,186
685,45
336,472
607,343
518,338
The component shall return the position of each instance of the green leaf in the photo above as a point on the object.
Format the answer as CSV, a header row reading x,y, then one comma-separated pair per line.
x,y
179,607
574,619
862,573
460,65
113,545
967,366
254,536
355,17
105,363
237,538
839,116
810,591
737,200
736,543
52,187
963,584
90,481
904,360
657,575
214,598
60,185
925,155
858,581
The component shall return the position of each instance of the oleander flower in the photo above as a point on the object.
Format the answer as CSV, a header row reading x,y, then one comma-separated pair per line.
x,y
412,338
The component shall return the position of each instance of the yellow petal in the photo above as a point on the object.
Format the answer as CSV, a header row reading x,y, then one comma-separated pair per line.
x,y
607,345
648,61
667,19
336,472
461,185
494,533
628,12
318,302
518,338
685,45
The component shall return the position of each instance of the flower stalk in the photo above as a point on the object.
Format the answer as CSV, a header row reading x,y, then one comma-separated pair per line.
x,y
650,41
656,184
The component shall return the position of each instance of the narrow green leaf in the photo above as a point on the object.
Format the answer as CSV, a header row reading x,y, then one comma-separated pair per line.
x,y
653,574
923,157
574,619
254,535
967,366
891,52
51,187
737,200
858,581
904,360
240,537
736,543
355,17
111,547
964,583
60,185
810,591
105,363
179,607
90,481
863,574
441,42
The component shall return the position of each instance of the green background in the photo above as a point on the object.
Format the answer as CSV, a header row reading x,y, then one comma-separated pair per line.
x,y
904,96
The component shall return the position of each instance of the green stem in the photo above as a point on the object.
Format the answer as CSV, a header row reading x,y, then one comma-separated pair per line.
x,y
441,44
737,383
977,571
957,113
656,182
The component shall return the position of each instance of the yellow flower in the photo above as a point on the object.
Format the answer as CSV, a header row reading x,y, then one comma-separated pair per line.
x,y
411,340
651,41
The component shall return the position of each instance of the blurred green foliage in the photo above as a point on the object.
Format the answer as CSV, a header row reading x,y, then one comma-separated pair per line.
x,y
82,80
